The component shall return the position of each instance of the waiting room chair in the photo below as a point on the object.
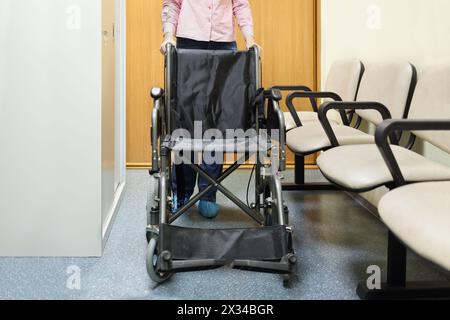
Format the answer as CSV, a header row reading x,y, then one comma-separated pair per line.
x,y
419,215
343,80
342,84
359,168
385,91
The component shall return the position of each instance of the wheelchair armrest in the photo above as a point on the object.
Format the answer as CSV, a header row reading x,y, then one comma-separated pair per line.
x,y
389,127
273,94
157,94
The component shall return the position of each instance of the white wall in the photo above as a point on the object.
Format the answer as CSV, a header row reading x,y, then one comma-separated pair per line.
x,y
374,30
414,30
50,132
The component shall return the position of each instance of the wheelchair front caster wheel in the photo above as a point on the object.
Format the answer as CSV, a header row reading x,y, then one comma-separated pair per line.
x,y
151,261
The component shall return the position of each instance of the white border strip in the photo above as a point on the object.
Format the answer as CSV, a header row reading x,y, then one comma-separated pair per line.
x,y
118,196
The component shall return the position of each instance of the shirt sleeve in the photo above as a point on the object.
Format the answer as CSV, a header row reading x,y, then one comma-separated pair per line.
x,y
170,13
243,13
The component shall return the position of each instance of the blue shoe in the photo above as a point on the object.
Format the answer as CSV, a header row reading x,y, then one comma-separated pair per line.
x,y
176,205
208,209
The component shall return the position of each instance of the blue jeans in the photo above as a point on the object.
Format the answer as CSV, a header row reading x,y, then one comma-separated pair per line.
x,y
215,170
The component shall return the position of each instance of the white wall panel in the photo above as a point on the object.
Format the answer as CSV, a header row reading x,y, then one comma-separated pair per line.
x,y
51,128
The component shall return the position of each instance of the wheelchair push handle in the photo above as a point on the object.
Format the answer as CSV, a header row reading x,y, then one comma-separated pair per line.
x,y
169,47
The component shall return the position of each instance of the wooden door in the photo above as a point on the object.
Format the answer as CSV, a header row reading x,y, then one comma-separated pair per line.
x,y
286,30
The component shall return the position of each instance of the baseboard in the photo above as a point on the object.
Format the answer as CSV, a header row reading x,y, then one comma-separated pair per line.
x,y
107,226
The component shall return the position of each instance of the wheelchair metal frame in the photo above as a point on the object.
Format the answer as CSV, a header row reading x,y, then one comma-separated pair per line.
x,y
269,207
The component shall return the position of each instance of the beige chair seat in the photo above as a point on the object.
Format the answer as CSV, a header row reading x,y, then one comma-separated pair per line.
x,y
419,215
361,167
310,116
312,137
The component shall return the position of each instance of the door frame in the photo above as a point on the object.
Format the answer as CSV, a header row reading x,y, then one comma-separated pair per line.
x,y
121,86
120,169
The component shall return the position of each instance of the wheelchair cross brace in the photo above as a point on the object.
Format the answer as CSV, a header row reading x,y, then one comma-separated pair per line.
x,y
217,184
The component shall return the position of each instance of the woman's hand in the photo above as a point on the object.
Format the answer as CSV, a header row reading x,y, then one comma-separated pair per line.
x,y
250,41
168,38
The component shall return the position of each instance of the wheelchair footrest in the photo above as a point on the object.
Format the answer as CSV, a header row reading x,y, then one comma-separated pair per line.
x,y
267,249
282,267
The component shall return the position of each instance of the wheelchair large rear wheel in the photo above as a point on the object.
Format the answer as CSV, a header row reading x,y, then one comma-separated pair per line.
x,y
152,260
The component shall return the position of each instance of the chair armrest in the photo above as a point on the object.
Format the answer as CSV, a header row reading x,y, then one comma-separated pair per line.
x,y
292,88
291,107
343,106
312,96
388,127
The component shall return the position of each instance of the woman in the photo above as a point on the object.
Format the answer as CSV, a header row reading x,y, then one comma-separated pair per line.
x,y
204,25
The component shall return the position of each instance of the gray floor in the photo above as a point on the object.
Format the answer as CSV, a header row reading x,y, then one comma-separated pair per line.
x,y
336,240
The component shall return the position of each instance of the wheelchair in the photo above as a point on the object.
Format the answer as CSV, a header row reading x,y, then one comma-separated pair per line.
x,y
222,91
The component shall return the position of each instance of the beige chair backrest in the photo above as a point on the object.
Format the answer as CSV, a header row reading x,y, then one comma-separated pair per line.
x,y
432,102
344,77
390,83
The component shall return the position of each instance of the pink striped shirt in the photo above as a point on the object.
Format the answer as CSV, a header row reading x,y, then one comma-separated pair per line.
x,y
207,20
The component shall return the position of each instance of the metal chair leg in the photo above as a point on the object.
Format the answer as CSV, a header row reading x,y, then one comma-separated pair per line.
x,y
300,184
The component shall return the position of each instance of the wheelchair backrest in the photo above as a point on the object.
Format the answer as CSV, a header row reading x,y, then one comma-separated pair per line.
x,y
214,88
